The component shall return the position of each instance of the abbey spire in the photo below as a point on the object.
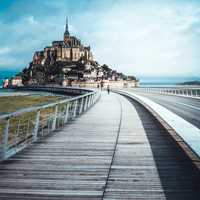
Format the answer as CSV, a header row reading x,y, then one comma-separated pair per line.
x,y
66,34
70,49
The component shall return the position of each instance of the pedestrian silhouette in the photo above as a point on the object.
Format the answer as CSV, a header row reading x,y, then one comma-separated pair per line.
x,y
101,84
108,89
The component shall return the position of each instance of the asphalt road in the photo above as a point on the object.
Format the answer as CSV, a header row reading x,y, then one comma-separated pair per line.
x,y
187,108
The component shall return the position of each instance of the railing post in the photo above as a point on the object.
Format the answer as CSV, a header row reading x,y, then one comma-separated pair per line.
x,y
36,127
85,106
5,140
92,100
81,107
88,103
75,108
55,118
66,113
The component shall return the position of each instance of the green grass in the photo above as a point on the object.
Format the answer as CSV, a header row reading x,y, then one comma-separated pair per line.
x,y
13,103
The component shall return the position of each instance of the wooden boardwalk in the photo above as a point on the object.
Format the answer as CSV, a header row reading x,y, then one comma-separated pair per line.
x,y
114,151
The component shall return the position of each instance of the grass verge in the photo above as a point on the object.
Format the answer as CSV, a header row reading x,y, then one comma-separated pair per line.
x,y
14,103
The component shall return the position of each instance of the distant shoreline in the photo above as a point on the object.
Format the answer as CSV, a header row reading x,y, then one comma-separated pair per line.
x,y
195,83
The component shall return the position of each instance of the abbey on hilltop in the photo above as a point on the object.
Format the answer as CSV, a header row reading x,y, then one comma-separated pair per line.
x,y
69,49
69,62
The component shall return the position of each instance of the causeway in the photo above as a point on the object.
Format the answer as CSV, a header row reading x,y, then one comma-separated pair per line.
x,y
116,150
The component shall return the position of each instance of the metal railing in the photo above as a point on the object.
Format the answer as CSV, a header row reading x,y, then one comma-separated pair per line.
x,y
180,91
22,128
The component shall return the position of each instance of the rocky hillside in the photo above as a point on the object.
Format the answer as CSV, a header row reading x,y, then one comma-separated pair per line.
x,y
61,70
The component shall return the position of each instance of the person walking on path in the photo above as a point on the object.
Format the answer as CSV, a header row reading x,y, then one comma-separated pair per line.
x,y
101,84
108,89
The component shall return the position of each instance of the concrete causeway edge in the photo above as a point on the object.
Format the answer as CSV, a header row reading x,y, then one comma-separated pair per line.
x,y
178,128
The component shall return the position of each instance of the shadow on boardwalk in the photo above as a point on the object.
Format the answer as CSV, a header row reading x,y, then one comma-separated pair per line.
x,y
180,179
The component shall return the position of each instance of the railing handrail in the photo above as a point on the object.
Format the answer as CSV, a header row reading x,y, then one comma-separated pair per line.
x,y
180,91
168,87
51,87
36,108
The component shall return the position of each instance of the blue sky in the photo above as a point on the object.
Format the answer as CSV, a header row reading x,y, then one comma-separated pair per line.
x,y
143,38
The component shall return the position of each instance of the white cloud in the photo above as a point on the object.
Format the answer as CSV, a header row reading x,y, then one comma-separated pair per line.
x,y
31,20
142,38
4,50
145,40
21,38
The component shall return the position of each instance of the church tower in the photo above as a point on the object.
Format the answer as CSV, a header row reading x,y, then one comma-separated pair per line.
x,y
66,34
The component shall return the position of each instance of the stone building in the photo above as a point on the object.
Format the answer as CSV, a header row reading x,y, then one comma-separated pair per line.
x,y
69,49
16,81
5,83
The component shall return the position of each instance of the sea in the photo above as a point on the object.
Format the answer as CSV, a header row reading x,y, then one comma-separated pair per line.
x,y
163,81
4,74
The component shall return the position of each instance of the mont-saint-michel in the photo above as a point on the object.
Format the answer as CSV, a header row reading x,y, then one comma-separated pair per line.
x,y
69,62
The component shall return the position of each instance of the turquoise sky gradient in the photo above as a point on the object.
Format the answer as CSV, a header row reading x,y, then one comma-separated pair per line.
x,y
142,38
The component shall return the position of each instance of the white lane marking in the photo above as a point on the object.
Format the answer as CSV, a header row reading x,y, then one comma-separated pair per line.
x,y
187,105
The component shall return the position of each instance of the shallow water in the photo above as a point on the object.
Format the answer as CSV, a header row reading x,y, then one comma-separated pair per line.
x,y
10,92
